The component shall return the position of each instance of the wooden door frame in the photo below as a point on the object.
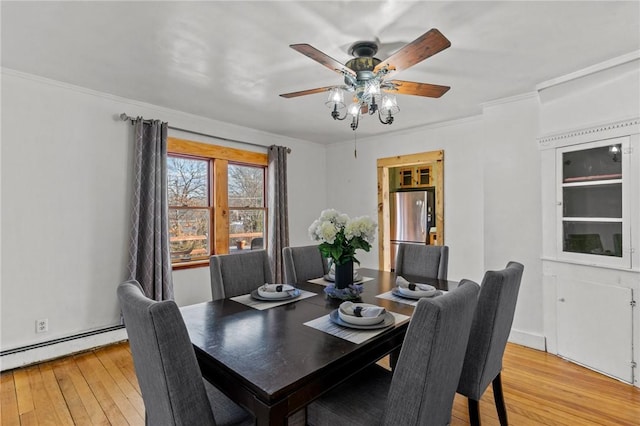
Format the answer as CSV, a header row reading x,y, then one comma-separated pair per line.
x,y
434,158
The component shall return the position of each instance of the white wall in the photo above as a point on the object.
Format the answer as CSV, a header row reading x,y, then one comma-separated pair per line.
x,y
66,174
603,93
491,193
512,219
352,185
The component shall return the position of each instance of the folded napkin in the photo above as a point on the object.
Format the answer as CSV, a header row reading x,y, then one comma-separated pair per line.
x,y
352,309
277,288
403,283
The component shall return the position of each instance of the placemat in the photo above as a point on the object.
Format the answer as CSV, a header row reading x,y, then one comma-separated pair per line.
x,y
324,282
246,299
389,295
353,335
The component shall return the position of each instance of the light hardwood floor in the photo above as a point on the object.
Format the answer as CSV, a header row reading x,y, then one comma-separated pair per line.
x,y
100,387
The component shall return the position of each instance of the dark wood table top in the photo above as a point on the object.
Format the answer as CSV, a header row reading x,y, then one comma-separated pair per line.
x,y
271,363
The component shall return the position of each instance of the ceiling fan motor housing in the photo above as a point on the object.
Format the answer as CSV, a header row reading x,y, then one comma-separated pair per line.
x,y
363,66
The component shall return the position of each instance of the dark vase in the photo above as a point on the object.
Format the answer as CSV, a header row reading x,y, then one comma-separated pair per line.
x,y
344,275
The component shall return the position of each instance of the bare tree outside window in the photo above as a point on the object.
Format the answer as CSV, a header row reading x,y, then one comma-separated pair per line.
x,y
247,212
189,215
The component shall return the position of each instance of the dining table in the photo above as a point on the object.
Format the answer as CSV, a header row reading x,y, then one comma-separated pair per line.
x,y
273,359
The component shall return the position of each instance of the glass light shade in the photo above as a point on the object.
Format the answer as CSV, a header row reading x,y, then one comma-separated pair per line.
x,y
389,105
336,98
354,109
373,88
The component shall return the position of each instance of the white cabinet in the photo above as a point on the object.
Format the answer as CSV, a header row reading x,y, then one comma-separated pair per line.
x,y
593,202
595,326
591,230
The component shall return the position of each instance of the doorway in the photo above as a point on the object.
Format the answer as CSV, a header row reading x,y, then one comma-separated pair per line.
x,y
407,172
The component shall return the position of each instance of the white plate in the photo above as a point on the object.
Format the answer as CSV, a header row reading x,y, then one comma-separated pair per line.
x,y
408,295
388,321
352,319
274,294
283,296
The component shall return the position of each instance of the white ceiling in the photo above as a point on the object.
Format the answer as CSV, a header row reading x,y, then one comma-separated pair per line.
x,y
230,60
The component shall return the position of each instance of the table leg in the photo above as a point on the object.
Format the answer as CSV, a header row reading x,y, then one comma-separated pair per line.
x,y
393,358
274,415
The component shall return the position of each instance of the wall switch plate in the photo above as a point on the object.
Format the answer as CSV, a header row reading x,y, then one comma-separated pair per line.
x,y
42,325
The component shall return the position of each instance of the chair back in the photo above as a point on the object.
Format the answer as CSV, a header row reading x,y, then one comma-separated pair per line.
x,y
236,274
490,329
421,260
303,264
166,367
257,243
426,376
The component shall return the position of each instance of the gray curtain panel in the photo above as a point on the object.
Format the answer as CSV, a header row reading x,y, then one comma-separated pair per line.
x,y
149,257
278,229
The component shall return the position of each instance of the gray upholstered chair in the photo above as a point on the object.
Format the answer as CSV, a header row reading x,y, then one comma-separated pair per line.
x,y
257,243
420,260
488,338
236,274
421,389
173,390
303,264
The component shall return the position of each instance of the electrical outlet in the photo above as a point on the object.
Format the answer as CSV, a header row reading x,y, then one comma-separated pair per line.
x,y
42,325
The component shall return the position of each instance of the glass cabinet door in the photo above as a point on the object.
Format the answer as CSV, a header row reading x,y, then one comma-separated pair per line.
x,y
593,204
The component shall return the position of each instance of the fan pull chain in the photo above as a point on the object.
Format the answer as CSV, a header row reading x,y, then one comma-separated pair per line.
x,y
355,144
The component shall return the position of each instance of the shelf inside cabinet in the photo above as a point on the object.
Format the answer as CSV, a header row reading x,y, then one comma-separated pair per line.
x,y
607,177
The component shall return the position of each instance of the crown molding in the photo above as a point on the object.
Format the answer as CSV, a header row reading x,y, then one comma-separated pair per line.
x,y
608,130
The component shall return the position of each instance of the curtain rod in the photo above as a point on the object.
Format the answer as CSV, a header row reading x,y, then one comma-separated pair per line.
x,y
125,117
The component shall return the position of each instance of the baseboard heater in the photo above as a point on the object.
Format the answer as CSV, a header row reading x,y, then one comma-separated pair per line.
x,y
60,340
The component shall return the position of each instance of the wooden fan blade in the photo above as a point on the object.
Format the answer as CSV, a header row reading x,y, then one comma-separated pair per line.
x,y
322,58
428,44
417,89
307,92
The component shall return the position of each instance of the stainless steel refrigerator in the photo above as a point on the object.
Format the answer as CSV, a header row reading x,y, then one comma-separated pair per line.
x,y
412,216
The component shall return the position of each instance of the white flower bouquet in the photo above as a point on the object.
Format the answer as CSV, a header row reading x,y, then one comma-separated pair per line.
x,y
341,236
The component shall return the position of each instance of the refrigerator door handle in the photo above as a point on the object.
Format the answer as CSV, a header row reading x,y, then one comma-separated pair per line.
x,y
423,219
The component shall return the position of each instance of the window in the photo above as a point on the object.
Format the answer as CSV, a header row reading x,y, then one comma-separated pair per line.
x,y
189,208
246,206
594,219
217,201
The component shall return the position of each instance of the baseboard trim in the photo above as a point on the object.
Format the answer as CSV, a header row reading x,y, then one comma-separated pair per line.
x,y
46,351
530,340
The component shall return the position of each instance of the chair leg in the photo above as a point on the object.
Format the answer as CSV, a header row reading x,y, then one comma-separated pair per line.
x,y
499,399
474,412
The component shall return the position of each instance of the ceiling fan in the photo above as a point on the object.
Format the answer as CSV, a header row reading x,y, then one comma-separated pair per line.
x,y
365,77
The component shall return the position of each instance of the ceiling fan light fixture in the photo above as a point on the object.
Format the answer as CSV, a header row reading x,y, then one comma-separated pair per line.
x,y
389,105
372,87
354,109
335,99
366,76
